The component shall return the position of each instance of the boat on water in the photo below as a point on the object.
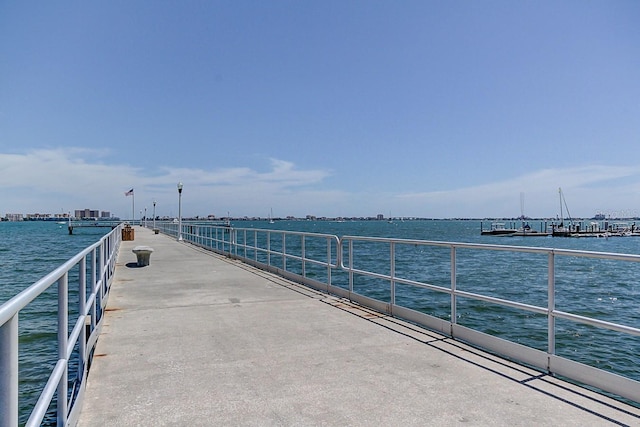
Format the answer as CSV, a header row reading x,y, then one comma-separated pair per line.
x,y
498,229
527,231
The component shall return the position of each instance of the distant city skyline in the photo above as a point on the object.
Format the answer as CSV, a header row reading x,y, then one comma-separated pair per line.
x,y
331,108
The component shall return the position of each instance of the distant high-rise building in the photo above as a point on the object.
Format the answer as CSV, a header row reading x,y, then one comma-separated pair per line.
x,y
87,213
14,217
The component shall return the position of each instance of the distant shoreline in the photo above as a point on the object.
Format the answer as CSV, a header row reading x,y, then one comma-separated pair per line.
x,y
339,218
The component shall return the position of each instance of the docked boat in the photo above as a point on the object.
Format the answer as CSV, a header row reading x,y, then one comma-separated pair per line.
x,y
527,231
497,229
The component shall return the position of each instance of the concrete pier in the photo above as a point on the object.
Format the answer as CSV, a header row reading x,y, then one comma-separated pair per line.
x,y
195,339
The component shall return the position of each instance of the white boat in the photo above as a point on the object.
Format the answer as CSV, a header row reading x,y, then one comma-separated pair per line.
x,y
497,229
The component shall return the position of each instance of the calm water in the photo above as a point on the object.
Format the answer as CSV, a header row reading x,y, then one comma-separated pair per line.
x,y
603,289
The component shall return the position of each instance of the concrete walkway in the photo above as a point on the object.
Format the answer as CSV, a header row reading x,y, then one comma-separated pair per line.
x,y
195,339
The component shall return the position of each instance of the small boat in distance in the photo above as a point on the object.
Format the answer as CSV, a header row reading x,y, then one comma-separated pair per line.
x,y
497,229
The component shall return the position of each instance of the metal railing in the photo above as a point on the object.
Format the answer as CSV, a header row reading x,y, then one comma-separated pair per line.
x,y
546,359
77,331
307,257
395,273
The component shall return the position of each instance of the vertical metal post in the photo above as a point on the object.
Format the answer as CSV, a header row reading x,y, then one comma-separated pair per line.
x,y
234,240
328,263
63,328
551,319
454,315
268,248
179,211
350,265
82,308
255,245
302,255
392,273
101,275
9,372
284,252
94,311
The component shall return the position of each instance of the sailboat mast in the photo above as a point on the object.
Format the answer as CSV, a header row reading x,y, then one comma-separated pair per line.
x,y
561,214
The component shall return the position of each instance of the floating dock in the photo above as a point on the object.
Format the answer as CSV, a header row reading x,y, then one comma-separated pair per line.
x,y
575,228
199,339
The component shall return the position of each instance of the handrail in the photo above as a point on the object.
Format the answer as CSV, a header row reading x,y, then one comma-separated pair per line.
x,y
263,247
548,361
100,259
276,250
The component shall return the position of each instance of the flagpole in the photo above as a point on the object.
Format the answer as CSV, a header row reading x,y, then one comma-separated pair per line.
x,y
133,208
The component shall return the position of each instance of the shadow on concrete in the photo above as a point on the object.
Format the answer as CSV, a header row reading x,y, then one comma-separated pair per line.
x,y
134,265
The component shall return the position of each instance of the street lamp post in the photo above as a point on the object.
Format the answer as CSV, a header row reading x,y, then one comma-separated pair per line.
x,y
154,215
140,217
179,211
145,217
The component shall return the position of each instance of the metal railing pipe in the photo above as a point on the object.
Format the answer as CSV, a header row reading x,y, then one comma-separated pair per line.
x,y
9,371
58,379
454,275
63,339
551,303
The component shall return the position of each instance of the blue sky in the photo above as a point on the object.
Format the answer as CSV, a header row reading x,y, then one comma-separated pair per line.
x,y
332,108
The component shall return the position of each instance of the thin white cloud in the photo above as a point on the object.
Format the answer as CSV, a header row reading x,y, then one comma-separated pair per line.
x,y
68,179
282,174
586,189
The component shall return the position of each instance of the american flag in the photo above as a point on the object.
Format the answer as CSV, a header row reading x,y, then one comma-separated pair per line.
x,y
129,193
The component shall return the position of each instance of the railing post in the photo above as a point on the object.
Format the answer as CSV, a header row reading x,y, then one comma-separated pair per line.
x,y
9,372
244,242
234,242
82,311
392,273
328,262
454,313
350,265
302,255
255,245
284,252
94,311
268,248
102,276
551,319
63,334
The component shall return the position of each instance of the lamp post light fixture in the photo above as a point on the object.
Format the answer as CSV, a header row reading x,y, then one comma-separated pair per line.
x,y
179,211
154,215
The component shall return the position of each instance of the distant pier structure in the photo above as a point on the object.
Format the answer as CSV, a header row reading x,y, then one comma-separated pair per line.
x,y
91,224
